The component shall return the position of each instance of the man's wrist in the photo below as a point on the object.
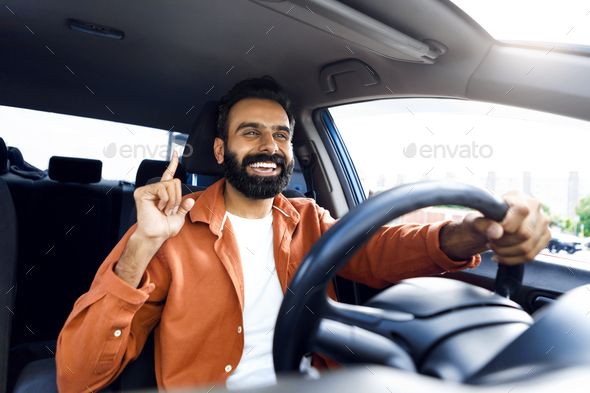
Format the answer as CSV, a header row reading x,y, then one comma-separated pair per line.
x,y
458,243
135,258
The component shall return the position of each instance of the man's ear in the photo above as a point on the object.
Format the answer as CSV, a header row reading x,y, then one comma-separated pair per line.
x,y
218,150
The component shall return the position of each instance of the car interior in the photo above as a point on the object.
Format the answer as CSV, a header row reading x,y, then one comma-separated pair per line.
x,y
165,66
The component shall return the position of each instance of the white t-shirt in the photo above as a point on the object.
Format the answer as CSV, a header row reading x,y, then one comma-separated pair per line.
x,y
262,300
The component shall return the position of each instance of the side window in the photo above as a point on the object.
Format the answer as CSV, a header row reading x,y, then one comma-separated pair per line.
x,y
399,141
120,147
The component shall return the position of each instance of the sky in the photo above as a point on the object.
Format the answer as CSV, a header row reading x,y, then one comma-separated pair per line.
x,y
470,139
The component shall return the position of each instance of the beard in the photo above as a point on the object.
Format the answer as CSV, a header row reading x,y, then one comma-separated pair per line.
x,y
255,186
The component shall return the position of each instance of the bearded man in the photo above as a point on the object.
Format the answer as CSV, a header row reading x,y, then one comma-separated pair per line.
x,y
208,271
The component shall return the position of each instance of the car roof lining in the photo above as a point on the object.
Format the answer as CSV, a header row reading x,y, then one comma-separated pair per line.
x,y
187,61
178,55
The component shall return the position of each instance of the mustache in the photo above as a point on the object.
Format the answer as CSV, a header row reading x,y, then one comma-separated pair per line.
x,y
264,157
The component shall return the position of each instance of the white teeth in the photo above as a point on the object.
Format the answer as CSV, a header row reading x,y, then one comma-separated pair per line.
x,y
264,165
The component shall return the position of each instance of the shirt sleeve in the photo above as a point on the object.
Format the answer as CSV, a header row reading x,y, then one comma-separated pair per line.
x,y
109,324
398,252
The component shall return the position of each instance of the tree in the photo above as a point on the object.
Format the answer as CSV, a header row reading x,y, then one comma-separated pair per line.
x,y
545,209
564,222
583,210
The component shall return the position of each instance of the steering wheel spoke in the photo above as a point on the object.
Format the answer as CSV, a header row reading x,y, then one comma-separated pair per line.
x,y
366,317
352,344
350,334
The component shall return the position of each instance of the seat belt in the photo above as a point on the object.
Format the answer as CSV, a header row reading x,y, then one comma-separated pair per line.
x,y
308,174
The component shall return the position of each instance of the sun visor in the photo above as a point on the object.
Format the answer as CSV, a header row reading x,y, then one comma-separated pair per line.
x,y
333,17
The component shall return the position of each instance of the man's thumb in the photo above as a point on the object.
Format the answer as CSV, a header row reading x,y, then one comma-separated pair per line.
x,y
484,226
185,206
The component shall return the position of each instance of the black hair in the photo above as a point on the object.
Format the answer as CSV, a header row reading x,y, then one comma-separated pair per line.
x,y
264,88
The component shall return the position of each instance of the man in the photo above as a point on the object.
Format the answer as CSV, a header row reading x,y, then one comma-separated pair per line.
x,y
209,271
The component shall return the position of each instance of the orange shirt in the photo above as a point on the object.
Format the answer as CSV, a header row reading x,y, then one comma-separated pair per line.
x,y
193,293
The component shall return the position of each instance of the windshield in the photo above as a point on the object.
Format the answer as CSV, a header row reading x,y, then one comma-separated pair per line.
x,y
565,21
495,147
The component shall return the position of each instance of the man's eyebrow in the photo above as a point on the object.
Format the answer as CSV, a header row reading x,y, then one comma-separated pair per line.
x,y
262,126
250,125
282,128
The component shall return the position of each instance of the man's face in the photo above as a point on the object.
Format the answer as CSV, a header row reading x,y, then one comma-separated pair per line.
x,y
258,156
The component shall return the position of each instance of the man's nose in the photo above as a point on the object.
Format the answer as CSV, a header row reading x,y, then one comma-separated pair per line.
x,y
268,144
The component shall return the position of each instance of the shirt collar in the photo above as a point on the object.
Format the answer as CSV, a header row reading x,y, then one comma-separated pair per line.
x,y
209,208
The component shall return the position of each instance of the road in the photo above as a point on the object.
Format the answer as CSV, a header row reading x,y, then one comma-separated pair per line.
x,y
563,256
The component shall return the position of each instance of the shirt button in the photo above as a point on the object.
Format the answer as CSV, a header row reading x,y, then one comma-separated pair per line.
x,y
239,329
117,333
227,368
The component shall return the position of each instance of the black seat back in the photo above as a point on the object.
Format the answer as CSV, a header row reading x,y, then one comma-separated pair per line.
x,y
8,258
198,156
68,230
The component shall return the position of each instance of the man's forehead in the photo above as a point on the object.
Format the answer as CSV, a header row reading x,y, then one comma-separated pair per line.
x,y
257,110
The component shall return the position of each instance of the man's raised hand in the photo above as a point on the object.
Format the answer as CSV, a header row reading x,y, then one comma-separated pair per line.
x,y
160,213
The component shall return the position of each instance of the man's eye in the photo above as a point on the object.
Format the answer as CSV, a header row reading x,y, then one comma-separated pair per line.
x,y
284,136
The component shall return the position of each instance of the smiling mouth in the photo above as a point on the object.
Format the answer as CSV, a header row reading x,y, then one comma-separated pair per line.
x,y
264,167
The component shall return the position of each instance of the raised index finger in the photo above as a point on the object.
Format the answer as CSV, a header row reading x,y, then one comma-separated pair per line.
x,y
171,170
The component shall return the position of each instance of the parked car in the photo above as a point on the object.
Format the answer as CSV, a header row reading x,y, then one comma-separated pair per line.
x,y
563,241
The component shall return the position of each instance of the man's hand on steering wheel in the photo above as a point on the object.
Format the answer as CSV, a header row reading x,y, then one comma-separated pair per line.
x,y
516,239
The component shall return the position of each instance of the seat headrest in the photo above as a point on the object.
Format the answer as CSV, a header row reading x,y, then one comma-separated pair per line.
x,y
149,169
3,157
199,158
75,170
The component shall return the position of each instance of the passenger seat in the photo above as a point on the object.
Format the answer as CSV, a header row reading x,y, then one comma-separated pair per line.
x,y
69,228
8,260
68,225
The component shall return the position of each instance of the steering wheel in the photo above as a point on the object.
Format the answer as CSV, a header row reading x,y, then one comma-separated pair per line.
x,y
309,321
